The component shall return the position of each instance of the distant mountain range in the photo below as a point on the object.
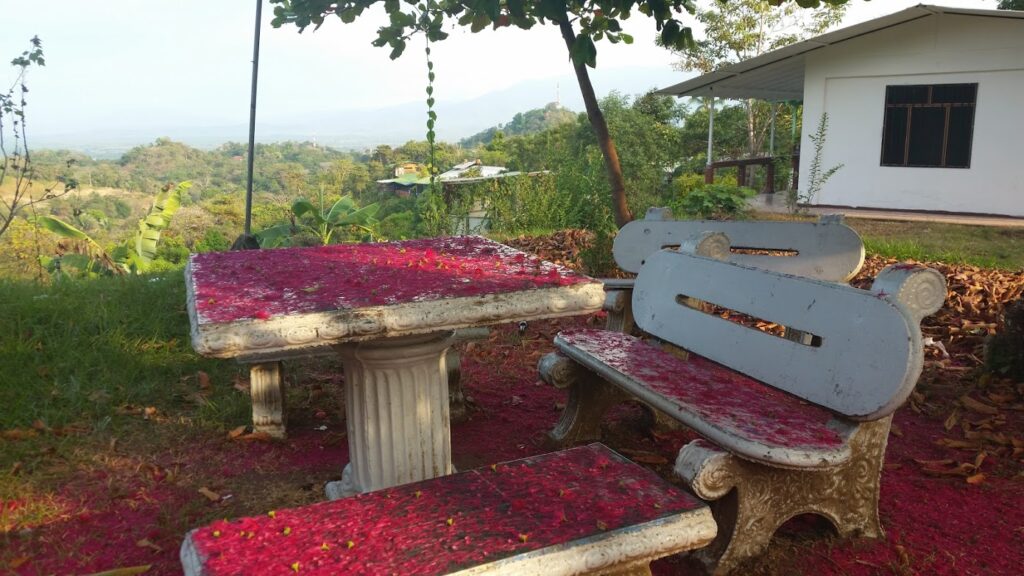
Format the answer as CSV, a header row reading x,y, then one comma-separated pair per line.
x,y
365,128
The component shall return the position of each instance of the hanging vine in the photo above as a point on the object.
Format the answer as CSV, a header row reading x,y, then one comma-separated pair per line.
x,y
431,114
433,211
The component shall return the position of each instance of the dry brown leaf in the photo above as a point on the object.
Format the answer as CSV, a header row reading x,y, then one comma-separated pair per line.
x,y
209,494
979,459
951,421
73,429
976,406
147,543
896,431
204,380
964,469
976,478
904,557
149,412
1002,398
18,434
235,433
17,562
958,444
932,463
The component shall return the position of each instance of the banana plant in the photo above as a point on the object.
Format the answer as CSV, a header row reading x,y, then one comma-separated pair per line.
x,y
322,222
81,252
134,255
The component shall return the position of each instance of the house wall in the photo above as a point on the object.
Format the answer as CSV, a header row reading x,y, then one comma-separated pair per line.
x,y
848,81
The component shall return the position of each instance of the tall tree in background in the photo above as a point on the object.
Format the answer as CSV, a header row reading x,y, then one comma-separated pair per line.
x,y
737,30
580,24
1011,5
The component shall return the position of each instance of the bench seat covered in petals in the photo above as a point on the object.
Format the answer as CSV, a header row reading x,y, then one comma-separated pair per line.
x,y
792,420
584,510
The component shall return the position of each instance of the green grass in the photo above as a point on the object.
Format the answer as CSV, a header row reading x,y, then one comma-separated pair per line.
x,y
984,246
79,352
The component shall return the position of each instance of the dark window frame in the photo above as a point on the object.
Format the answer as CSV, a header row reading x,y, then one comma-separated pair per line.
x,y
922,97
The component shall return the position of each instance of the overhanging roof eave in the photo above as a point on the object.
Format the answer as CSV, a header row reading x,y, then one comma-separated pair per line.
x,y
717,83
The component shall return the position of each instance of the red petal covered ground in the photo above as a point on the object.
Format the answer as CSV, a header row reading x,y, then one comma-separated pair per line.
x,y
936,524
952,488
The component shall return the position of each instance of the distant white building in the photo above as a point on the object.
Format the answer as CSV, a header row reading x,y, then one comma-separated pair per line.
x,y
925,108
471,169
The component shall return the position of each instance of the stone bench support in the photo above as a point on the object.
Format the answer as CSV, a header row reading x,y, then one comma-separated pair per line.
x,y
791,423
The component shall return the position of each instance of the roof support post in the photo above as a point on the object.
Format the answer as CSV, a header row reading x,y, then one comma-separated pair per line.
x,y
771,139
709,173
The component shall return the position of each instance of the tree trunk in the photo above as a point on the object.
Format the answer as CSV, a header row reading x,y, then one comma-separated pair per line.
x,y
611,156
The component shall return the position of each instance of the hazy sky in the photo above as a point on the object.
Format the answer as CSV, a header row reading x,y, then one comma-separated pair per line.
x,y
113,63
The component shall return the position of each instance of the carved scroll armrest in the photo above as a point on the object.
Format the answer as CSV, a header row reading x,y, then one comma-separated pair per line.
x,y
618,303
921,290
558,370
706,469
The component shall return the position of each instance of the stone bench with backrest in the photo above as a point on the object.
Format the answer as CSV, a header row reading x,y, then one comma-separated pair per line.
x,y
788,426
585,510
825,250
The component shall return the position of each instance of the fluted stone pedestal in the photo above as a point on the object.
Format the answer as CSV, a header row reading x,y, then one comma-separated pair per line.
x,y
397,414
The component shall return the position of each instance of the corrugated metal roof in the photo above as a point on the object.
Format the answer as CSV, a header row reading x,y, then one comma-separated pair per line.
x,y
779,74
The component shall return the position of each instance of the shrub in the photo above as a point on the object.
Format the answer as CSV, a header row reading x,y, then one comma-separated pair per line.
x,y
714,202
597,258
687,182
398,226
213,241
1004,350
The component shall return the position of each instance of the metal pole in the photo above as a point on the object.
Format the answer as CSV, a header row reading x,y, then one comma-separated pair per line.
x,y
711,127
252,119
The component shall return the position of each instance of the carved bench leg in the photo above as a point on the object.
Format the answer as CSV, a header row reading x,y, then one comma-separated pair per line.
x,y
459,405
266,385
457,402
751,500
589,398
618,305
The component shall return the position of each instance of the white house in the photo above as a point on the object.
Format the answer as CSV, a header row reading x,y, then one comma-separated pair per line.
x,y
474,166
925,108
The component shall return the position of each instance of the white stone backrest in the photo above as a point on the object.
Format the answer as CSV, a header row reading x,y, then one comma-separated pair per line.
x,y
862,361
826,250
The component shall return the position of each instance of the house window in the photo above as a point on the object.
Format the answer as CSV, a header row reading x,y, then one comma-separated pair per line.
x,y
929,125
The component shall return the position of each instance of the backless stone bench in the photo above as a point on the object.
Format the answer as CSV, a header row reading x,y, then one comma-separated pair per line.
x,y
789,426
585,510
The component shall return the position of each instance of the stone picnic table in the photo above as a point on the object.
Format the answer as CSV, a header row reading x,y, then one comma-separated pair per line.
x,y
389,310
